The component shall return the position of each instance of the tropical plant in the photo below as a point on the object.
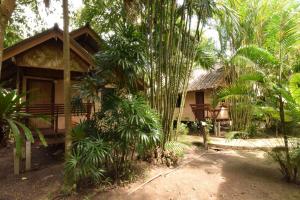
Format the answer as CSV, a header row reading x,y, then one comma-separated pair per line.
x,y
107,145
183,129
172,46
88,155
130,126
12,119
274,64
162,49
123,61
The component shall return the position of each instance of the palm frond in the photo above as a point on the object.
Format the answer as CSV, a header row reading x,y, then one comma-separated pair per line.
x,y
257,55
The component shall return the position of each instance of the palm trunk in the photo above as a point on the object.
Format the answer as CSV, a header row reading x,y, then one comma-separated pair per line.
x,y
2,31
7,7
67,82
285,139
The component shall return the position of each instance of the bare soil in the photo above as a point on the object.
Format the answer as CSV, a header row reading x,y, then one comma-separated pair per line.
x,y
44,179
215,175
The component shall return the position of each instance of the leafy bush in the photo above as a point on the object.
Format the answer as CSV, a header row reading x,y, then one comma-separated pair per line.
x,y
86,160
183,129
193,127
289,171
176,147
108,144
130,126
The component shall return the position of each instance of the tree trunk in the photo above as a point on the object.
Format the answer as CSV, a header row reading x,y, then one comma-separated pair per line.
x,y
285,138
67,82
205,137
7,7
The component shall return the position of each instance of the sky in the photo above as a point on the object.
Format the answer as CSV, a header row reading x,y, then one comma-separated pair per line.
x,y
53,14
56,16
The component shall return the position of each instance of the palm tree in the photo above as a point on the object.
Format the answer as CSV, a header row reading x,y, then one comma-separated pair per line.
x,y
282,37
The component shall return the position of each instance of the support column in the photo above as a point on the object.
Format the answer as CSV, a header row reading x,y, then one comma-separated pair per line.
x,y
218,129
16,163
28,156
215,128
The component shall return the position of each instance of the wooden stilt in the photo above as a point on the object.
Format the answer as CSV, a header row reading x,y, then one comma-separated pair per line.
x,y
28,156
218,129
16,163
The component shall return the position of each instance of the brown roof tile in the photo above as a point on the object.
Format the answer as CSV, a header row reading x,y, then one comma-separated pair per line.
x,y
202,80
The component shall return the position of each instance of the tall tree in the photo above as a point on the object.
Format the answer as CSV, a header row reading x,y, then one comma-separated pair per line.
x,y
6,9
67,80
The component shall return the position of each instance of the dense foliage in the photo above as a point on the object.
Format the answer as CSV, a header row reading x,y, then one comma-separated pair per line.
x,y
107,145
263,59
162,42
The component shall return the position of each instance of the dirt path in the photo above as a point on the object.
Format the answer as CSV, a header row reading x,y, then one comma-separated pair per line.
x,y
226,175
37,184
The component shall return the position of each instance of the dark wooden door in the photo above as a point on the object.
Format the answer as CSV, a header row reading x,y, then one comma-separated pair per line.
x,y
200,101
41,92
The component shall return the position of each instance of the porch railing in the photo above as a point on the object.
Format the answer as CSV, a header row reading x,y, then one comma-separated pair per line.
x,y
54,111
205,111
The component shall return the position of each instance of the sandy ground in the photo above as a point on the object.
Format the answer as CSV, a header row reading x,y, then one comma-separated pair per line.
x,y
241,144
225,175
216,175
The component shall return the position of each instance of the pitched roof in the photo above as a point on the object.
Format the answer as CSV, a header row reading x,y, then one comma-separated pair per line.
x,y
203,79
33,41
86,30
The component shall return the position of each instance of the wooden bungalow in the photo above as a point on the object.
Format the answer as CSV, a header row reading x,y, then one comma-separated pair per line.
x,y
35,66
199,99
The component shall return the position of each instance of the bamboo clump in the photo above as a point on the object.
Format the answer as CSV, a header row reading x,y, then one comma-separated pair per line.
x,y
172,42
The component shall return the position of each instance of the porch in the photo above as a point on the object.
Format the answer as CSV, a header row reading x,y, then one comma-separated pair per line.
x,y
43,91
206,111
49,118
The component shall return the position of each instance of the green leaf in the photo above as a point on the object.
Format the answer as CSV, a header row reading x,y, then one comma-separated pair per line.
x,y
257,55
294,87
27,132
41,137
16,133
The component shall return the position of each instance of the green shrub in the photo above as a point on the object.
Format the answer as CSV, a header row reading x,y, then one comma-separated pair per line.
x,y
176,147
108,144
193,127
86,159
290,172
130,126
183,129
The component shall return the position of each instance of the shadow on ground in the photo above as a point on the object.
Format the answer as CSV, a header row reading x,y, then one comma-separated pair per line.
x,y
225,175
